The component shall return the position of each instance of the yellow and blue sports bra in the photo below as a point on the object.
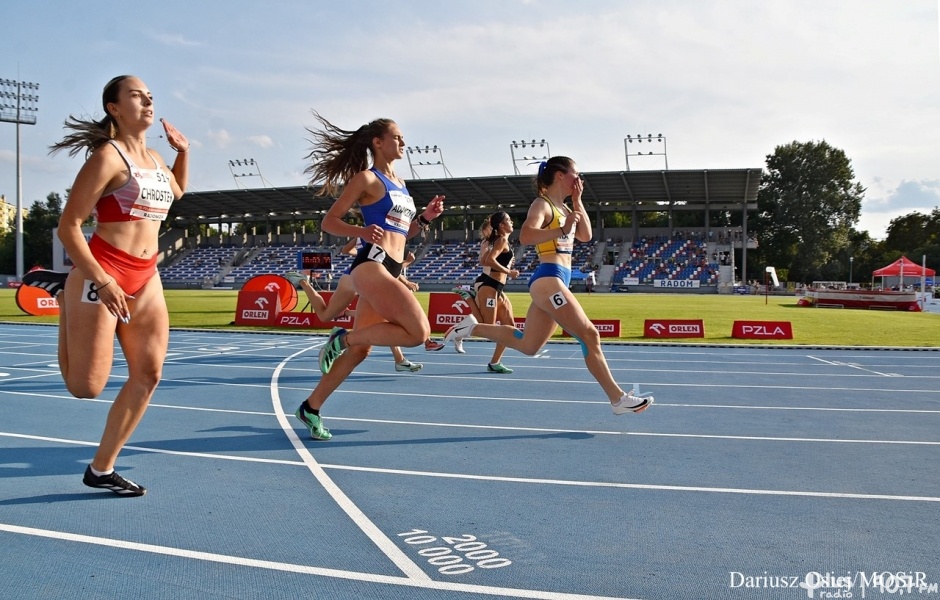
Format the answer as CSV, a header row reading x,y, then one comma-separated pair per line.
x,y
561,245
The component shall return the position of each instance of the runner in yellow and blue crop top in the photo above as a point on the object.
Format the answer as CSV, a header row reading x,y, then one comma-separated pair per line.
x,y
552,227
388,314
114,287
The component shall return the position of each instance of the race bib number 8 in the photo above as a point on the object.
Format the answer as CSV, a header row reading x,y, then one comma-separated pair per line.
x,y
90,292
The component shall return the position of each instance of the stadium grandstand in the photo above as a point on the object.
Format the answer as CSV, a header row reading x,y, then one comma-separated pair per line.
x,y
705,258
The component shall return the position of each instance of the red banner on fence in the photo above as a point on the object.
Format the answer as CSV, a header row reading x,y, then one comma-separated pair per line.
x,y
257,308
674,328
446,309
762,330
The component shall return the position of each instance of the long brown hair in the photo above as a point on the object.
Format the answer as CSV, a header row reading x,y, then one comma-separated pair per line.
x,y
89,134
338,154
496,219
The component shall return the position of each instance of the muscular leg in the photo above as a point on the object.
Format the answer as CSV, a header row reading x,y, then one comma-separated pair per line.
x,y
347,361
401,320
86,340
552,295
344,294
144,342
488,303
553,304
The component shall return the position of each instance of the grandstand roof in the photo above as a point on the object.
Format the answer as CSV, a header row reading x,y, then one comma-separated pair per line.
x,y
607,191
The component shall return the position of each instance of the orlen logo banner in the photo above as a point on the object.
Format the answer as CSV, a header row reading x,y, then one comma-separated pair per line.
x,y
673,328
273,283
605,328
36,301
762,330
446,309
257,308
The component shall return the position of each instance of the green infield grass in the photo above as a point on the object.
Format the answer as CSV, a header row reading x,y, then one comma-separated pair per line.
x,y
215,309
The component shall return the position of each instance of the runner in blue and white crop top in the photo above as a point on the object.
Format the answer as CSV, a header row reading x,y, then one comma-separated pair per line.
x,y
394,211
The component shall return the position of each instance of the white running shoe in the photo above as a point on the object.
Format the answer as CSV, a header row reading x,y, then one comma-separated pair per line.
x,y
630,403
461,330
407,365
458,346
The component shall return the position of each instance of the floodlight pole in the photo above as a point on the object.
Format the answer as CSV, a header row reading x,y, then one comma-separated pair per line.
x,y
252,166
639,139
851,262
432,152
521,145
23,111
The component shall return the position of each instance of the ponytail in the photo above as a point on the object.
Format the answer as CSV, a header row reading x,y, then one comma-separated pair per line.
x,y
547,171
89,134
338,154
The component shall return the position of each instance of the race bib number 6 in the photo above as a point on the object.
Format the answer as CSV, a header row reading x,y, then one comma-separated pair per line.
x,y
559,300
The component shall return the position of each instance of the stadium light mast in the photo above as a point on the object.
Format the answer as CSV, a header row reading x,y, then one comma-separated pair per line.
x,y
247,167
538,154
430,153
630,150
851,262
18,104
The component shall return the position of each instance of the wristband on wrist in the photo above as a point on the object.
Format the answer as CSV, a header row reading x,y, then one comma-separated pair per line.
x,y
423,221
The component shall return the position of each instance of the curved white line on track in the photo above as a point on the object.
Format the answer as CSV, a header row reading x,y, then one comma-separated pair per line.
x,y
303,569
386,545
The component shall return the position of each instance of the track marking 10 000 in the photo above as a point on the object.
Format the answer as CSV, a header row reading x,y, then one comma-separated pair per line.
x,y
459,555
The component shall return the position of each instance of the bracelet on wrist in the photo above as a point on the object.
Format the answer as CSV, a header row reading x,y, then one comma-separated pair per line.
x,y
423,221
101,287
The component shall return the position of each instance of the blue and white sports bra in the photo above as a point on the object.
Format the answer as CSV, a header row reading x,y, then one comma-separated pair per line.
x,y
394,211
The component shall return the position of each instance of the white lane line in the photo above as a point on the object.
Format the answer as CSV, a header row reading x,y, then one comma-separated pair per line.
x,y
378,537
498,478
808,408
411,395
279,413
706,436
302,569
854,366
642,486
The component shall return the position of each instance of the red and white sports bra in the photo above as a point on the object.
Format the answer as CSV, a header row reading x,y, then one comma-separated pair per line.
x,y
146,195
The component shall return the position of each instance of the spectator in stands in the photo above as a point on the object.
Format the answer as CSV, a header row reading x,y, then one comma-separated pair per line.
x,y
388,314
552,228
114,287
491,301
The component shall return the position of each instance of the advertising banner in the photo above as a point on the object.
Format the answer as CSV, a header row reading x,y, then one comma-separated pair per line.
x,y
762,330
674,328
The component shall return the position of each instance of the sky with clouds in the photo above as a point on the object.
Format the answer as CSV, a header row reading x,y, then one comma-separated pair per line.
x,y
725,82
